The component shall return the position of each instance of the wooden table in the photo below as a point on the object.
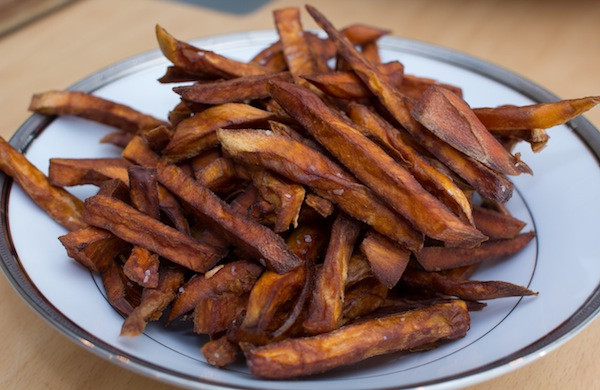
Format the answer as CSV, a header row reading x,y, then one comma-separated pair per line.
x,y
553,43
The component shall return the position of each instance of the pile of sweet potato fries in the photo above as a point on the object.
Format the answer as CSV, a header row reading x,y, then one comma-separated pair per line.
x,y
311,208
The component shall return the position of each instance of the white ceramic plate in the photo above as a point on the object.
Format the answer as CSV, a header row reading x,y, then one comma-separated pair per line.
x,y
559,202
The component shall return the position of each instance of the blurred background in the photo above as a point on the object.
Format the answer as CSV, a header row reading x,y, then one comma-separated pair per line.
x,y
51,44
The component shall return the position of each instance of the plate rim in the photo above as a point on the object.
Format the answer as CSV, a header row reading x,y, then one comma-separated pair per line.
x,y
35,124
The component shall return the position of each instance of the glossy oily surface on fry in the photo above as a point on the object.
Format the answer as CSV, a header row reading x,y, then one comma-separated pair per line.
x,y
518,270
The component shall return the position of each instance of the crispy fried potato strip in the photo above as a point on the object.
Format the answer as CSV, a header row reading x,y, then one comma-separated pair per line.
x,y
59,204
302,164
450,118
436,258
92,247
352,343
388,260
374,167
94,108
320,205
325,308
198,132
496,225
296,50
257,240
220,352
535,116
215,314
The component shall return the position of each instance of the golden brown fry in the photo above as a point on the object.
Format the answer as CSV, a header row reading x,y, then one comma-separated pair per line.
x,y
320,205
496,225
230,91
198,132
450,118
203,62
258,241
387,259
137,228
94,108
363,298
374,167
356,342
471,290
94,248
220,352
296,50
346,85
535,116
285,197
236,277
304,165
59,204
487,182
325,308
154,301
435,258
400,147
216,313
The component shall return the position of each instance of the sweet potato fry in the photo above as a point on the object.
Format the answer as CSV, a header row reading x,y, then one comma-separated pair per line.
x,y
535,116
320,205
92,247
115,286
135,227
435,258
352,343
371,52
346,85
77,171
487,182
115,188
175,74
117,138
361,34
358,269
94,108
288,131
363,298
141,267
472,290
59,204
230,91
144,190
450,118
220,352
203,62
219,175
296,51
157,137
255,239
273,290
198,132
496,225
399,146
285,197
374,167
154,301
304,165
216,313
236,277
387,259
414,87
325,308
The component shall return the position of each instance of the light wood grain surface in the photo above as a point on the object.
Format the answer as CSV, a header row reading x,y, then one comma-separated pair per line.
x,y
553,43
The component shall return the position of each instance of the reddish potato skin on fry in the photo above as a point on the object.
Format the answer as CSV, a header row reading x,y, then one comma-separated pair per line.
x,y
94,108
352,343
374,167
255,239
437,258
59,204
536,116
